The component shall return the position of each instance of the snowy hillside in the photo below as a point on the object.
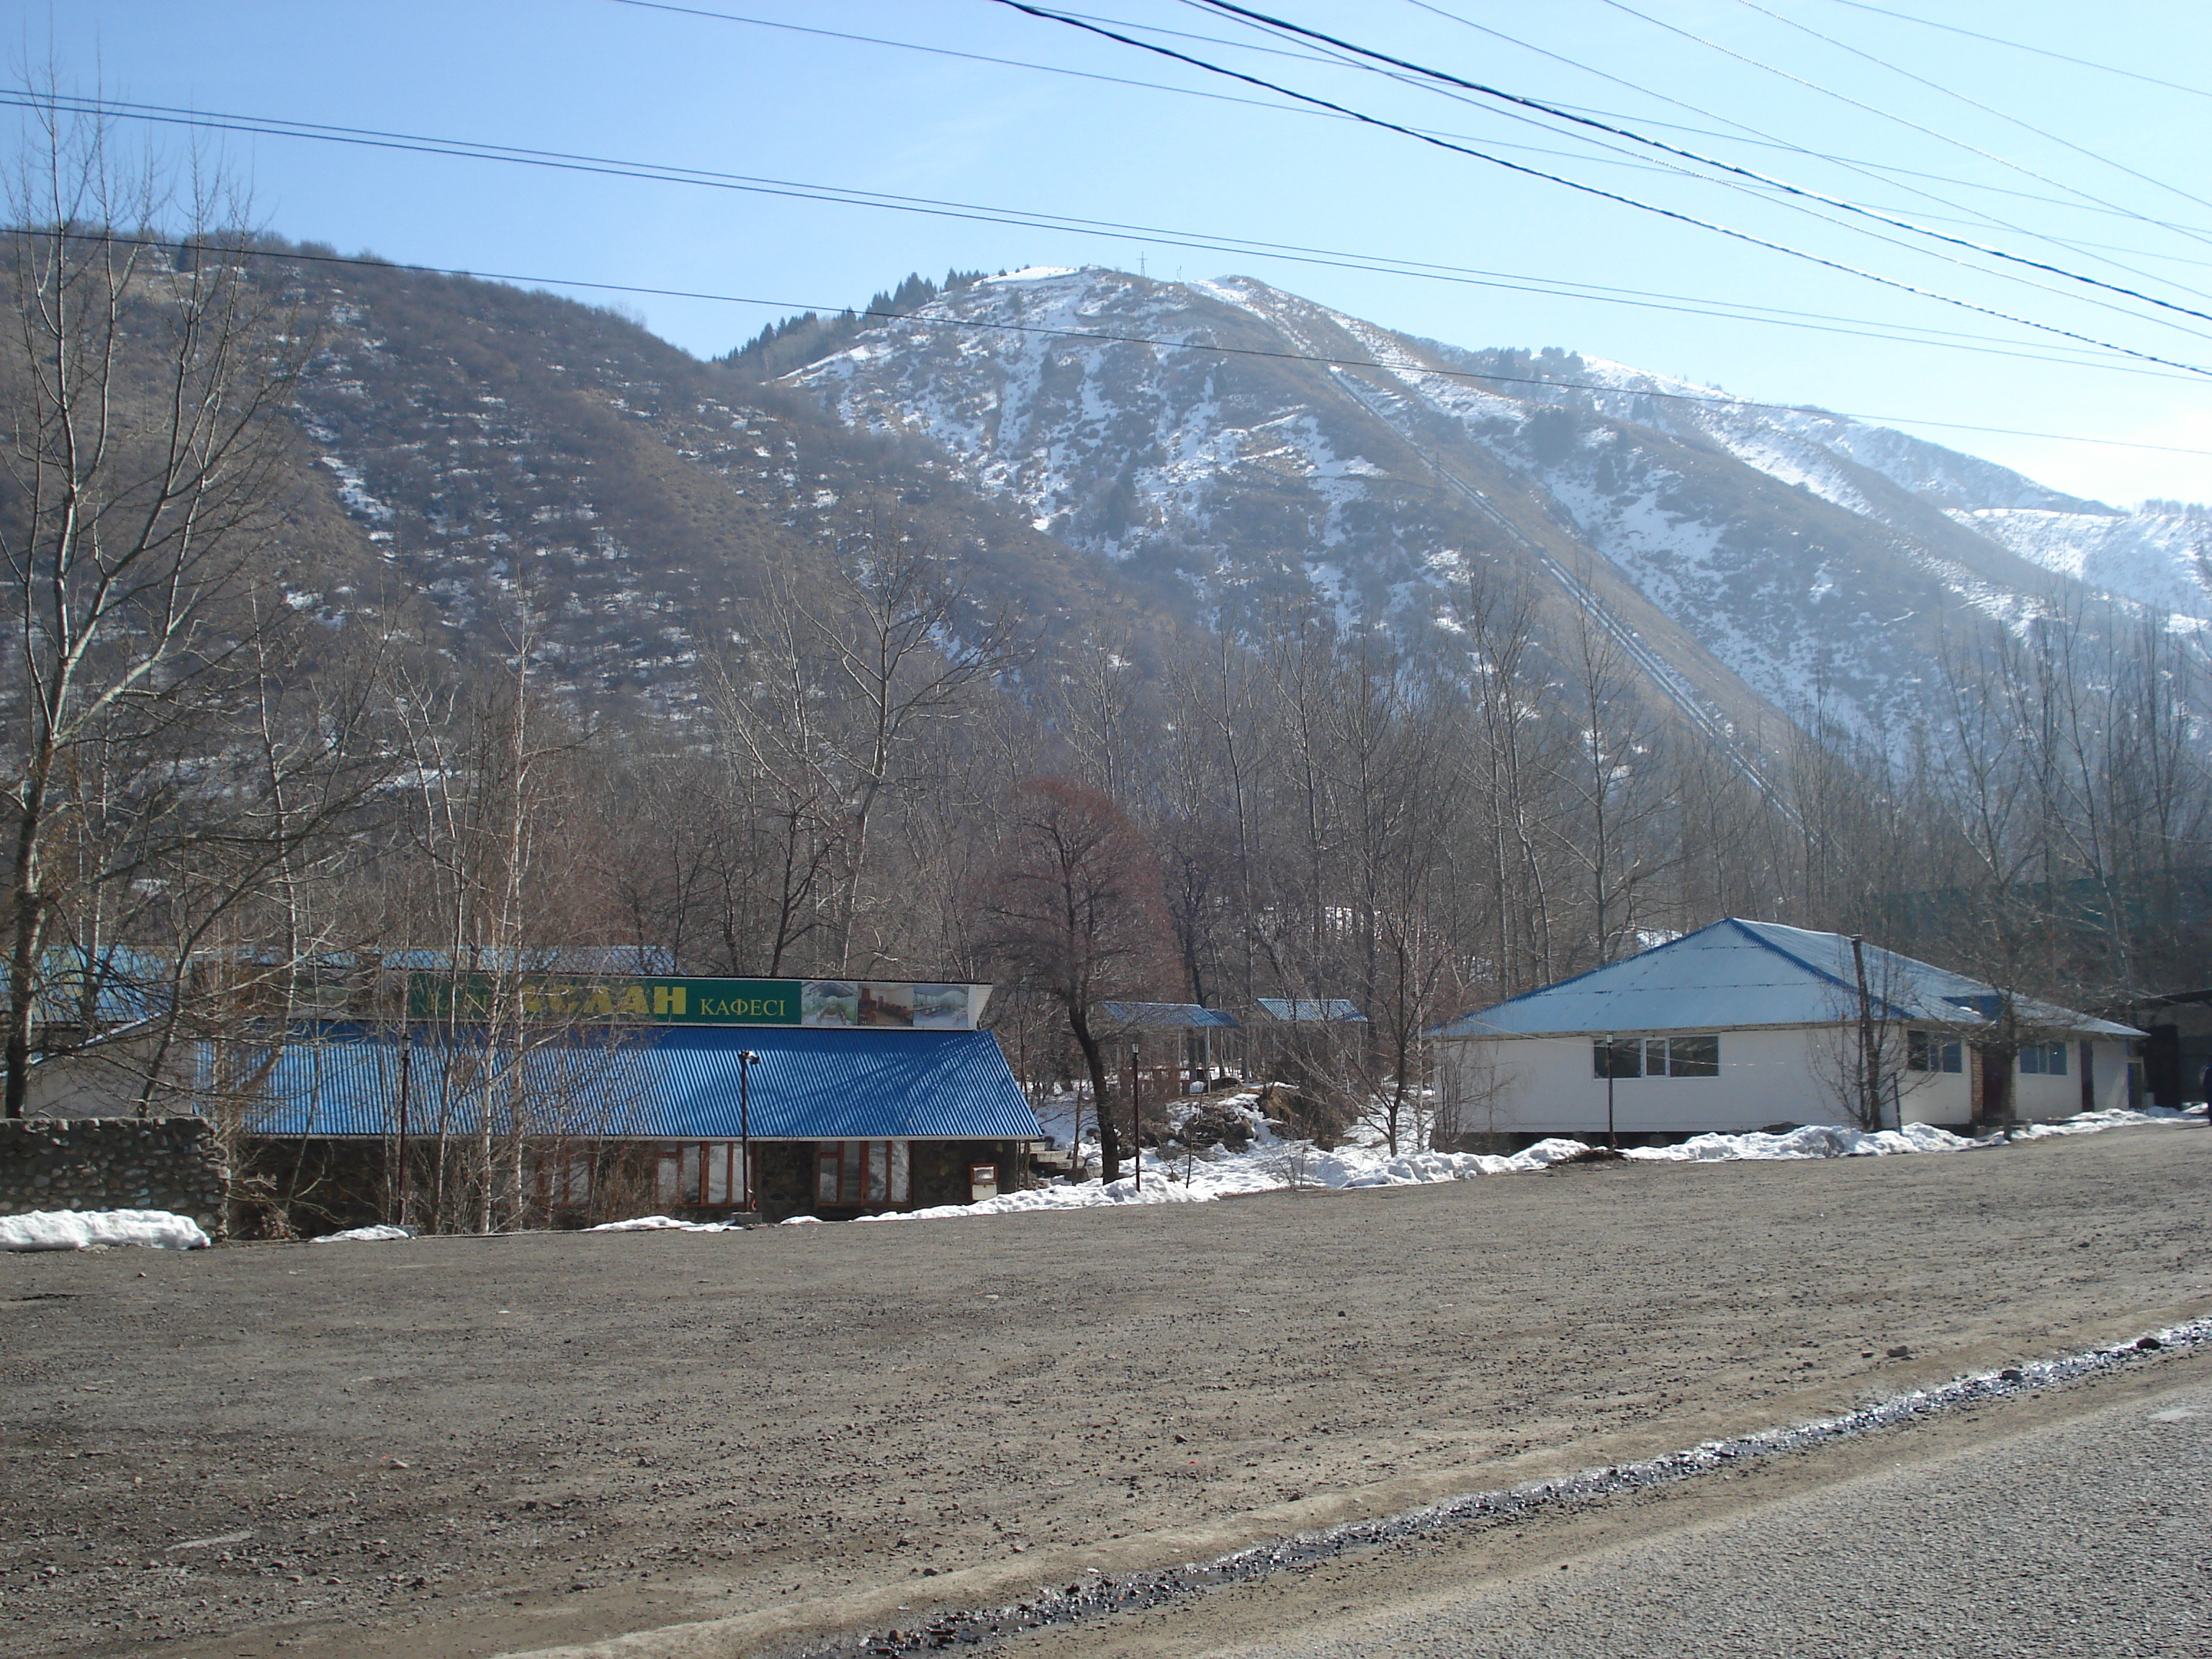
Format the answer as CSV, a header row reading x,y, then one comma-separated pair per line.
x,y
1753,561
2158,559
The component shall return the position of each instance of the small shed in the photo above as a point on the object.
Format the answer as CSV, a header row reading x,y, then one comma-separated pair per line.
x,y
1749,1025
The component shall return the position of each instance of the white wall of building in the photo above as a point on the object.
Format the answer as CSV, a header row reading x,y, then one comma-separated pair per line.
x,y
1768,1075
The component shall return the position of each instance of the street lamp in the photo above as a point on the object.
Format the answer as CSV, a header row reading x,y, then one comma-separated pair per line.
x,y
1136,1107
1612,1058
747,1059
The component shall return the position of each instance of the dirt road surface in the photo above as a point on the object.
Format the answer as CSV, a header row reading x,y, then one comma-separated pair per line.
x,y
739,1441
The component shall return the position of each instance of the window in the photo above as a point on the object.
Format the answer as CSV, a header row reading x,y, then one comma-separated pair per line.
x,y
1694,1056
702,1172
1620,1059
2042,1060
562,1181
1924,1051
1674,1056
853,1172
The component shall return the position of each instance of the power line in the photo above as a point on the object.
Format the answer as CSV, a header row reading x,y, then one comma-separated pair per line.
x,y
1972,103
1633,136
1506,282
2018,45
914,320
1913,126
1879,169
1674,214
1866,170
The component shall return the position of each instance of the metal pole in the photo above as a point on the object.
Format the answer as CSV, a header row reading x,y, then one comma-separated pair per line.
x,y
1610,1057
406,1051
746,1062
1869,1078
1136,1108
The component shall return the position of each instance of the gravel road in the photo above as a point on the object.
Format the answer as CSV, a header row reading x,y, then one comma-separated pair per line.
x,y
469,1446
2067,1539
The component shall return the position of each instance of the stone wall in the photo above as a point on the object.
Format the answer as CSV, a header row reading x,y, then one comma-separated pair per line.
x,y
114,1163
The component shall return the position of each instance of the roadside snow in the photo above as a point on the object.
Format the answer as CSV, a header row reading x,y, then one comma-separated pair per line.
x,y
365,1235
657,1224
81,1230
1272,1164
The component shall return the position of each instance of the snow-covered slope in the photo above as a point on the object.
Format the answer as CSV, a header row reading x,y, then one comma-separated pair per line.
x,y
1236,444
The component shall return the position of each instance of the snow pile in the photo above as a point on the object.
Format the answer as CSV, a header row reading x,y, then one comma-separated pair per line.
x,y
2084,1123
1270,1164
657,1224
1812,1140
366,1235
80,1229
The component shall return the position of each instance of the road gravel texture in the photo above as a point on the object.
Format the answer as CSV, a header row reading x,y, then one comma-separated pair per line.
x,y
747,1441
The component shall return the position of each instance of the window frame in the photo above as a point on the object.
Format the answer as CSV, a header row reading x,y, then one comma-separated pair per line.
x,y
863,1174
1655,1056
701,1168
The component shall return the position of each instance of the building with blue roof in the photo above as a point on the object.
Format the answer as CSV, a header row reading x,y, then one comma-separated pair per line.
x,y
1750,1025
608,1119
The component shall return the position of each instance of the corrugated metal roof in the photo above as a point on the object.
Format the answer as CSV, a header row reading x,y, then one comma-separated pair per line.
x,y
1165,1016
1738,973
126,985
1311,1011
675,1083
551,959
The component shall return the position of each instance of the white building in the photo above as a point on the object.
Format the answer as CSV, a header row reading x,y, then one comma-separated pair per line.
x,y
1752,1025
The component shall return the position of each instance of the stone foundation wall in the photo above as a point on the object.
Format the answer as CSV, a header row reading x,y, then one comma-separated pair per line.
x,y
114,1164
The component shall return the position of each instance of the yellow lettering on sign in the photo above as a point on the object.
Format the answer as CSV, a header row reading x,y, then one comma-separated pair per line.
x,y
668,999
633,1000
601,1002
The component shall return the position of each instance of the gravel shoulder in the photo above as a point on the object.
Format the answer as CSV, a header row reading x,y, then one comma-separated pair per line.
x,y
473,1446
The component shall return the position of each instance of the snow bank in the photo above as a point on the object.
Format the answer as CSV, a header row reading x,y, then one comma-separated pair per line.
x,y
1272,1164
365,1235
1814,1140
657,1224
78,1229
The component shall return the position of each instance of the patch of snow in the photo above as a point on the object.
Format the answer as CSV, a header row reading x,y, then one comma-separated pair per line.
x,y
657,1224
82,1229
366,1235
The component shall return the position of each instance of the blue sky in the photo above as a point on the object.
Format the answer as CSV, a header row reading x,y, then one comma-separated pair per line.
x,y
2078,166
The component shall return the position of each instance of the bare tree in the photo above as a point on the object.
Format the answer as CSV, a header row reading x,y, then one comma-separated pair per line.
x,y
143,380
1075,915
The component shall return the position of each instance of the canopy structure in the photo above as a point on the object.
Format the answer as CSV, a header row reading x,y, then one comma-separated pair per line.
x,y
1167,1016
669,1083
1311,1011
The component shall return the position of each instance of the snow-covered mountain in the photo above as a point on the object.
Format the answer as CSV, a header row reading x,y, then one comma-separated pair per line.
x,y
1753,560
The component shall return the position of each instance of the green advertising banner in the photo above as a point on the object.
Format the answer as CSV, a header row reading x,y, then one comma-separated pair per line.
x,y
820,1003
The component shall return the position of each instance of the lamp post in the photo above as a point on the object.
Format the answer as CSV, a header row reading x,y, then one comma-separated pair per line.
x,y
1610,1057
1137,1108
746,1060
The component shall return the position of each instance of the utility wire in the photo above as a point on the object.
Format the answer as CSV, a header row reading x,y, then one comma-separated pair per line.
x,y
1882,114
1507,281
1743,131
984,326
2018,45
1879,169
1971,103
1768,180
1675,215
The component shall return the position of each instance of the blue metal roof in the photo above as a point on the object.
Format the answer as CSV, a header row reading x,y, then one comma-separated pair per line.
x,y
1166,1016
1736,974
676,1084
1324,1011
551,959
126,985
